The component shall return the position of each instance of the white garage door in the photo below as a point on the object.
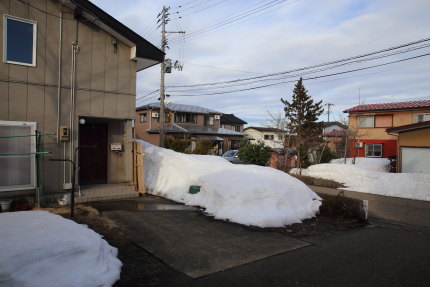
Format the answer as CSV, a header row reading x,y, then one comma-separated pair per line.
x,y
415,160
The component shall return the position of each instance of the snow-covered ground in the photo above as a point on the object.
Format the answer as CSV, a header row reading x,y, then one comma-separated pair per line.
x,y
370,175
246,194
39,248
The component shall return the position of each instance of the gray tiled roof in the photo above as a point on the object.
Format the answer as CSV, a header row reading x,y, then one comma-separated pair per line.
x,y
197,130
179,108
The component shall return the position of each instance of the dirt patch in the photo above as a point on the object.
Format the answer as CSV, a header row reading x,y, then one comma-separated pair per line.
x,y
317,181
320,225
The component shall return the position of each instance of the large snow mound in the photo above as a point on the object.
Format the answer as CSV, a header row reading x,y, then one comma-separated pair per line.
x,y
369,180
246,194
39,248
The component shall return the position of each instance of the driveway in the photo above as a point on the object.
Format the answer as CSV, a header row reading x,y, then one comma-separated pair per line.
x,y
200,251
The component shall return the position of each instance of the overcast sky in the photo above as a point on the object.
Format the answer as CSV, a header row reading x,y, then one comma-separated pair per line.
x,y
274,36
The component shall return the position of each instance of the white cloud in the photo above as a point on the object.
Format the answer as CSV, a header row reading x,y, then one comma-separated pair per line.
x,y
301,34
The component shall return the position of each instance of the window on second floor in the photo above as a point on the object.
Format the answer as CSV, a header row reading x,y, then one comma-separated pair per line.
x,y
185,118
236,128
19,41
378,121
143,117
209,120
269,137
422,117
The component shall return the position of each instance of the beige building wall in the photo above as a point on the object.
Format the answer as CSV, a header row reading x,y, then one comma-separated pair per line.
x,y
399,119
105,86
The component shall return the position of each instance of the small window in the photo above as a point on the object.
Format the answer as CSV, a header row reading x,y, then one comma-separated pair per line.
x,y
269,137
185,118
373,150
19,41
209,120
366,122
280,137
143,118
236,128
418,118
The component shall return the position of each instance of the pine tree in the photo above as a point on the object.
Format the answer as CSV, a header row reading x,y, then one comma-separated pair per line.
x,y
302,114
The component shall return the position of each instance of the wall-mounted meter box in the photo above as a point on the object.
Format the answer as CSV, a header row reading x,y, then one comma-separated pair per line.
x,y
64,133
116,146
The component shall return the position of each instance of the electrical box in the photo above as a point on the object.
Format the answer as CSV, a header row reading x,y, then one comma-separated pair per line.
x,y
116,147
64,133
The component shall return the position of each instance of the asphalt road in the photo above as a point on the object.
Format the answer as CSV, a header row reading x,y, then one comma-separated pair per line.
x,y
380,254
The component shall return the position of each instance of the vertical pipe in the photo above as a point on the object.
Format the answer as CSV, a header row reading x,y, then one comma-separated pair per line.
x,y
60,65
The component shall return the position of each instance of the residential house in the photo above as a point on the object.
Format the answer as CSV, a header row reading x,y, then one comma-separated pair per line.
x,y
413,147
231,122
334,134
272,137
68,74
368,124
185,121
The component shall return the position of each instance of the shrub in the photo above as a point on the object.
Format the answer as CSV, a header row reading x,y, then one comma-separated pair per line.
x,y
257,153
179,145
204,146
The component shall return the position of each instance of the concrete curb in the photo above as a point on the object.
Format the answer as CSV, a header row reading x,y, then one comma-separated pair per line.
x,y
401,210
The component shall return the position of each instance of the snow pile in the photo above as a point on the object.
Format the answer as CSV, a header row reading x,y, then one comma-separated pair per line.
x,y
246,194
375,164
367,177
39,248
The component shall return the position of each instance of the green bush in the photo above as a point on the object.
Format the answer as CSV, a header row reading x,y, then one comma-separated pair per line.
x,y
204,146
258,153
327,155
179,145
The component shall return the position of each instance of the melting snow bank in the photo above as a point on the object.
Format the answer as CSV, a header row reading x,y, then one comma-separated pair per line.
x,y
246,194
368,179
39,248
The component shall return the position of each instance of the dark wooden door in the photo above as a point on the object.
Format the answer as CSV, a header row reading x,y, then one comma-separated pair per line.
x,y
93,150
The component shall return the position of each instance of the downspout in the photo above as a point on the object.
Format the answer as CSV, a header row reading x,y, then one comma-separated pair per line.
x,y
60,65
75,50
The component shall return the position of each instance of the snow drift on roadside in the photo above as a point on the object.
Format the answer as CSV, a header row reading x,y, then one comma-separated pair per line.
x,y
369,180
39,248
246,194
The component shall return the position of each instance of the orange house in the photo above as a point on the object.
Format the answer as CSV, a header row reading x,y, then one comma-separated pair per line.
x,y
368,123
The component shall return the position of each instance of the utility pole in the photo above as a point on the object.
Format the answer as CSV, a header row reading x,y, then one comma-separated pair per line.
x,y
164,20
328,111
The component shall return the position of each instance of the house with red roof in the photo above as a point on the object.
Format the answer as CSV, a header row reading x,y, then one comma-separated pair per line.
x,y
368,125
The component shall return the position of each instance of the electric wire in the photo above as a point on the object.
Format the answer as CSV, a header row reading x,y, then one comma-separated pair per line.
x,y
307,67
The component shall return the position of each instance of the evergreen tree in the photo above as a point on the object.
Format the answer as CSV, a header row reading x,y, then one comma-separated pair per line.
x,y
302,114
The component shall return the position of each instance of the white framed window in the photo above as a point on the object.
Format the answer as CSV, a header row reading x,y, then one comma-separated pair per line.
x,y
209,120
19,41
373,150
18,166
269,137
143,117
366,122
422,117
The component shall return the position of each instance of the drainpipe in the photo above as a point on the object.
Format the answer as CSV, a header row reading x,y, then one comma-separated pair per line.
x,y
75,50
60,65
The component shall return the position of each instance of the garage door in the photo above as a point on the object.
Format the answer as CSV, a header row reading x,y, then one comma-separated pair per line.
x,y
415,160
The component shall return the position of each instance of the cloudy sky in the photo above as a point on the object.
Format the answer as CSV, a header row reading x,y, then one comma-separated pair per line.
x,y
227,40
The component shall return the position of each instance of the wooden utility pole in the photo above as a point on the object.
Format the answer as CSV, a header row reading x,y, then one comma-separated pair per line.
x,y
163,48
164,19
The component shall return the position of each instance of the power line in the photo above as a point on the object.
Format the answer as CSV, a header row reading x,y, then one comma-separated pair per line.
x,y
240,15
307,67
304,73
311,78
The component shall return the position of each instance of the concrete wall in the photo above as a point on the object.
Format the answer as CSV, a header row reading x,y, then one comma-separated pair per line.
x,y
105,79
